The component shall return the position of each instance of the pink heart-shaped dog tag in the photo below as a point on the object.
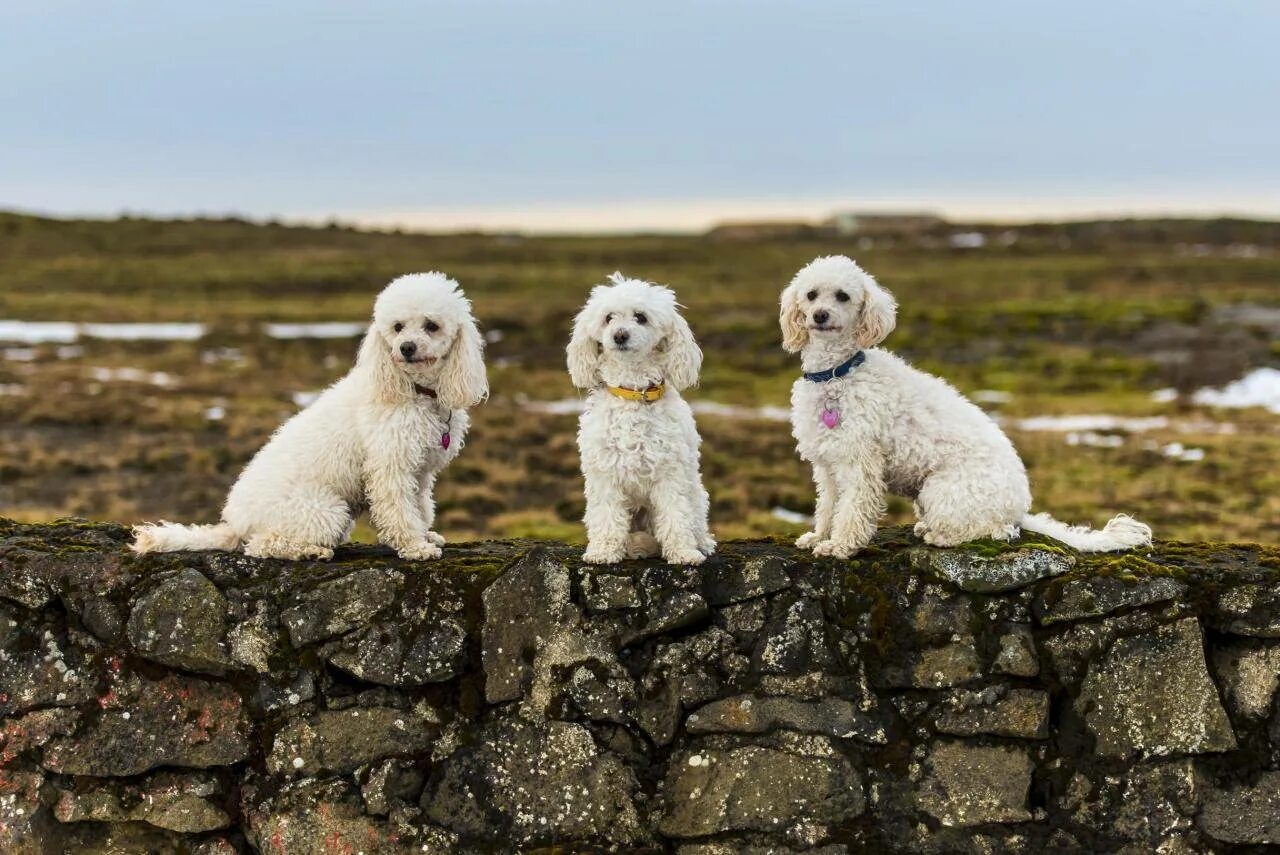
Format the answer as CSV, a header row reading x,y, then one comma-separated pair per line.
x,y
445,439
830,417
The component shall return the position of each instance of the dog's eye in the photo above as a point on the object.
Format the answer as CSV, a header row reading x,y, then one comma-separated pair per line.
x,y
842,297
399,326
431,326
608,319
811,296
641,318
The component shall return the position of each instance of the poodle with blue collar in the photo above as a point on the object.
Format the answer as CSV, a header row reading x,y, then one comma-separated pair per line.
x,y
870,424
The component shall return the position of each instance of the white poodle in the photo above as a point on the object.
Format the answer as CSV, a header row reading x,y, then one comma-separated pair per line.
x,y
377,438
870,424
637,438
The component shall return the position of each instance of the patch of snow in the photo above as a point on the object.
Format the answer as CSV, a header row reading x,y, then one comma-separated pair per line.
x,y
992,396
215,413
1095,423
1165,396
69,351
967,240
1258,388
493,336
324,329
144,332
305,399
38,332
1178,451
131,375
790,516
729,411
1094,439
221,354
20,354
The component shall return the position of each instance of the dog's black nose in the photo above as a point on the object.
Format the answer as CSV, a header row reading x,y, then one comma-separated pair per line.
x,y
407,349
821,316
621,337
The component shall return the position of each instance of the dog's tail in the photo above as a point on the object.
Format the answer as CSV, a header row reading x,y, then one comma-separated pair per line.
x,y
1122,532
174,537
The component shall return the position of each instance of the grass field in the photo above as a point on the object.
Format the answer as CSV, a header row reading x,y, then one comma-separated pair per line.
x,y
1088,319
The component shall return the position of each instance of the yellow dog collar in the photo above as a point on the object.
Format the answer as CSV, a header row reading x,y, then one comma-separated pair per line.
x,y
647,396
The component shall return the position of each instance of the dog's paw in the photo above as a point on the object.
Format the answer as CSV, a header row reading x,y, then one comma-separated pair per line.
x,y
423,550
920,529
319,553
599,555
808,540
707,545
436,538
835,549
684,556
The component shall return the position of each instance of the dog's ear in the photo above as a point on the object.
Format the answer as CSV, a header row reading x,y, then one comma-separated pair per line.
x,y
583,351
878,316
389,384
795,327
681,356
463,382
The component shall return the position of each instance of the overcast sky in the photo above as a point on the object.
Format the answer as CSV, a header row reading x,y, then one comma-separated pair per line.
x,y
586,114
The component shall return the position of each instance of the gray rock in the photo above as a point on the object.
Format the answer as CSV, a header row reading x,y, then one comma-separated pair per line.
x,y
1017,656
524,607
748,714
998,711
1249,675
175,721
30,578
983,574
728,582
685,675
341,605
543,783
1244,814
339,741
1252,609
389,783
24,821
1075,646
313,817
186,802
41,667
603,592
941,614
1093,596
182,622
677,611
388,654
602,691
753,788
794,641
1149,805
1151,695
934,667
975,784
251,644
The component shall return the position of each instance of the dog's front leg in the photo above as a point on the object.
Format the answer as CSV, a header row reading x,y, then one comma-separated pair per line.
x,y
607,520
825,483
859,504
675,522
396,509
426,493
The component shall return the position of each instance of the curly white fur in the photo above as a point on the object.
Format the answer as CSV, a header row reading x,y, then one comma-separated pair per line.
x,y
371,439
640,460
903,431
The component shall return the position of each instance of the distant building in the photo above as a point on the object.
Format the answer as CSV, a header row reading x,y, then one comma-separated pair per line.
x,y
876,225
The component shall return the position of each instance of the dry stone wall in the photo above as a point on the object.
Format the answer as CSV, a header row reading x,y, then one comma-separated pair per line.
x,y
994,698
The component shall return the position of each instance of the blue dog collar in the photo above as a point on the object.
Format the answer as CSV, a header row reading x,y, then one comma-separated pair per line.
x,y
839,371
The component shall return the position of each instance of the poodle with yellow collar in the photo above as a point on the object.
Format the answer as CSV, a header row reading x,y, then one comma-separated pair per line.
x,y
634,353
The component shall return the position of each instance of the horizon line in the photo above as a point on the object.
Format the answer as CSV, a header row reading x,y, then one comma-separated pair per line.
x,y
696,216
